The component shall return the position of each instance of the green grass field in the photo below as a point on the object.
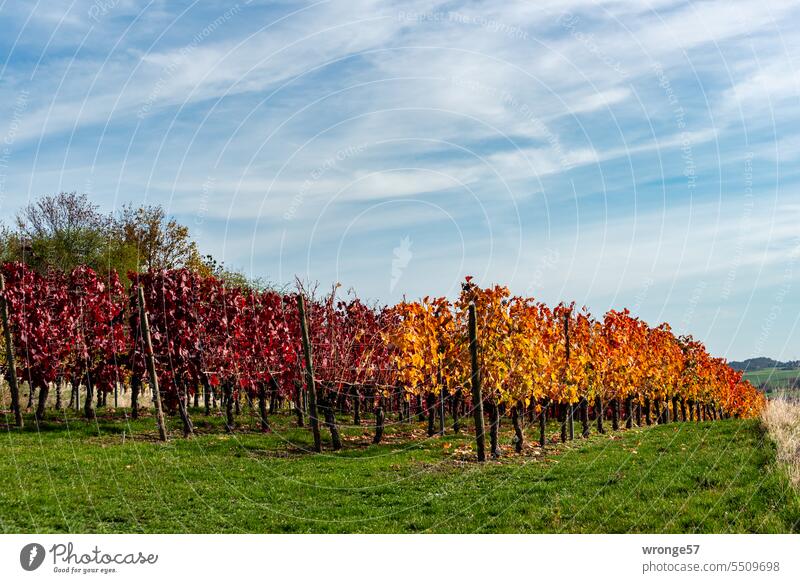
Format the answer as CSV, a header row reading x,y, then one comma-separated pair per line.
x,y
112,477
776,376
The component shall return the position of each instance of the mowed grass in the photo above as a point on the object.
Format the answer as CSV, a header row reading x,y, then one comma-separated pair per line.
x,y
112,477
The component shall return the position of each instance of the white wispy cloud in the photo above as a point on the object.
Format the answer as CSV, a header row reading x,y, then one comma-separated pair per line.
x,y
312,137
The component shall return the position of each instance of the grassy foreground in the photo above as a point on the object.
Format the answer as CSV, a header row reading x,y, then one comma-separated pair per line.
x,y
111,476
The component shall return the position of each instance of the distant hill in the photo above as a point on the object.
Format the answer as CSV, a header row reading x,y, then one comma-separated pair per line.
x,y
762,362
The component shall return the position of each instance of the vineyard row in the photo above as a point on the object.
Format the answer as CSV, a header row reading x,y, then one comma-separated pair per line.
x,y
183,334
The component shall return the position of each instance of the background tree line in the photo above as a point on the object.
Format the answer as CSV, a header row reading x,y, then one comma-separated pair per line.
x,y
66,230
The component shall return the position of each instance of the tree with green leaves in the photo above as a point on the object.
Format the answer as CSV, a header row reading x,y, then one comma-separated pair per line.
x,y
161,242
64,231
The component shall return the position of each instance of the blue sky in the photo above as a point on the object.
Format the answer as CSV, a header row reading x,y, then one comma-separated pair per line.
x,y
636,154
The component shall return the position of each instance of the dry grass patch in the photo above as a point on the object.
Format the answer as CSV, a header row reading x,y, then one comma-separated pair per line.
x,y
781,417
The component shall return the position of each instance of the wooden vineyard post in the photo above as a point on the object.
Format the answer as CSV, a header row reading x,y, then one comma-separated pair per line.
x,y
442,395
10,358
442,388
151,366
477,395
311,389
544,404
570,420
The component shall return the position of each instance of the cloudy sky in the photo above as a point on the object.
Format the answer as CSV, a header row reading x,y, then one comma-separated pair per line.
x,y
637,154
